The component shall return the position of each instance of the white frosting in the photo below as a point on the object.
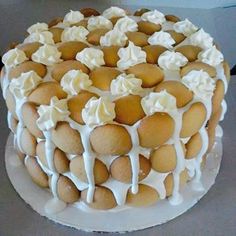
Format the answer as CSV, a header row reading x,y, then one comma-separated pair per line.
x,y
130,56
24,84
91,57
49,115
201,39
185,27
98,111
74,33
113,12
74,81
44,37
161,38
211,56
113,38
126,84
154,16
47,55
125,24
38,27
200,83
172,60
73,17
14,57
158,102
98,22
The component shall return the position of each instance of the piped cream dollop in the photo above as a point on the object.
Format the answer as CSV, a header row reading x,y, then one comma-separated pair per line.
x,y
99,22
201,39
211,56
126,84
154,16
38,27
200,83
158,102
126,24
73,17
49,115
130,56
113,38
161,38
23,85
44,37
98,111
114,12
74,33
185,27
47,55
91,57
169,60
74,81
13,57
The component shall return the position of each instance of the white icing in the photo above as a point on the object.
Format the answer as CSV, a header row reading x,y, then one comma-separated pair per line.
x,y
74,33
161,38
91,57
74,81
211,56
44,37
47,55
185,27
224,109
14,57
38,27
200,83
113,12
154,16
125,24
98,22
98,111
50,114
73,17
24,84
172,60
201,39
126,84
130,56
113,38
221,75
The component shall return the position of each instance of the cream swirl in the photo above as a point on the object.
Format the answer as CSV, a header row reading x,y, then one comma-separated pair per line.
x,y
172,60
126,84
91,57
211,56
201,39
161,38
13,57
47,55
98,22
125,24
44,37
50,114
114,12
23,85
158,102
113,38
74,81
98,111
74,33
185,27
200,83
154,16
130,56
73,17
38,27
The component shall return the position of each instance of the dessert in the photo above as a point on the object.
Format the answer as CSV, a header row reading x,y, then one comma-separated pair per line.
x,y
114,110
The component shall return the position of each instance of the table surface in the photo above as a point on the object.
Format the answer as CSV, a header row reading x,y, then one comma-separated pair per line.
x,y
215,214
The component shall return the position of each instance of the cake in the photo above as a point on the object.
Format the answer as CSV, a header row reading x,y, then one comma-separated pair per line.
x,y
114,110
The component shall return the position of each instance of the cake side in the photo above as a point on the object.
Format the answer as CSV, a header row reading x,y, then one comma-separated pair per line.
x,y
114,109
